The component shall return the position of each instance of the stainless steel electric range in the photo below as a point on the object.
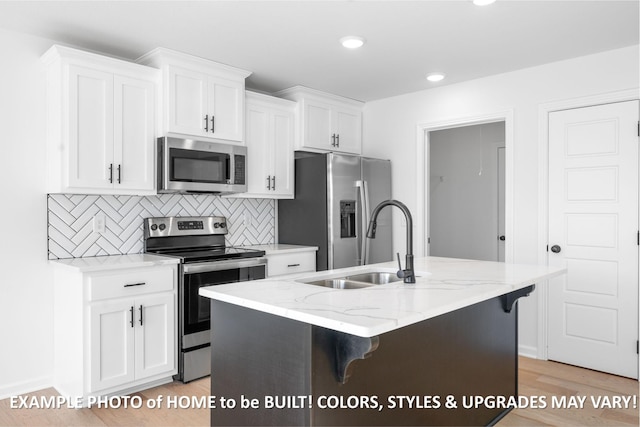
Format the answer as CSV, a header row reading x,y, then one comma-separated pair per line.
x,y
199,242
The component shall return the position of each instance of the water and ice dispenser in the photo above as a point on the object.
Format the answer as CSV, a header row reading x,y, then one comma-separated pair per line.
x,y
347,218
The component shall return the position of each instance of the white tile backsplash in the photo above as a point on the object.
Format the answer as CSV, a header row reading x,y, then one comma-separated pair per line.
x,y
70,221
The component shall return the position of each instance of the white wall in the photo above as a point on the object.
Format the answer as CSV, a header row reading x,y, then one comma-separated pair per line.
x,y
26,310
390,131
463,191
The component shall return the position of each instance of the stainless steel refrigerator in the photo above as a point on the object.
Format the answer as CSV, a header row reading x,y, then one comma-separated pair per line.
x,y
334,197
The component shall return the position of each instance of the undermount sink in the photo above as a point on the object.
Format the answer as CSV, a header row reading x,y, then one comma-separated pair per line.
x,y
375,278
357,281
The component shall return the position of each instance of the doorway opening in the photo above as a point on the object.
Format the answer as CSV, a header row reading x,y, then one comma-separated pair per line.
x,y
466,191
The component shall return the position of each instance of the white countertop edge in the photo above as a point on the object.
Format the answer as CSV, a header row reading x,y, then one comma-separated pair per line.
x,y
113,262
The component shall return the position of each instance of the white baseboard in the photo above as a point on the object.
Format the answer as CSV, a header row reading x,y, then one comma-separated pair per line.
x,y
528,351
32,385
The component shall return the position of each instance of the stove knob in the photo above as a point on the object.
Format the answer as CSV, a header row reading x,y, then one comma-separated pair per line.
x,y
223,225
154,227
162,227
216,225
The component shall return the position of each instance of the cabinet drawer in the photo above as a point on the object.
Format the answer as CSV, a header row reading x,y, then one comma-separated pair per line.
x,y
290,263
130,282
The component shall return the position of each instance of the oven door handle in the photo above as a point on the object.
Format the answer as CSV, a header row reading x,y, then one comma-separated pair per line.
x,y
222,265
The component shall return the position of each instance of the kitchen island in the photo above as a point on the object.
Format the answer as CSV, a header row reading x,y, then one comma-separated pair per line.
x,y
442,351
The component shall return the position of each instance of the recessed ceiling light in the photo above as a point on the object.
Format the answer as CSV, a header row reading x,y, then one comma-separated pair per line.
x,y
352,42
483,2
435,77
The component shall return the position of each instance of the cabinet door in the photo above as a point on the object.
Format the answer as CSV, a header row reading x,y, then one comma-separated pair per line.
x,y
90,131
112,343
187,102
348,128
155,335
317,131
258,150
133,134
226,106
282,131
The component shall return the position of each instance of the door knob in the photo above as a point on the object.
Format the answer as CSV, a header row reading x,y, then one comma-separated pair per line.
x,y
556,249
502,238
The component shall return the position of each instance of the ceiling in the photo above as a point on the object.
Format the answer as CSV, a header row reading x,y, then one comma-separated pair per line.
x,y
287,43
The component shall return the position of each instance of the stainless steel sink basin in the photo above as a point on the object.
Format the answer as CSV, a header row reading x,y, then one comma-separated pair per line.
x,y
339,284
357,281
375,278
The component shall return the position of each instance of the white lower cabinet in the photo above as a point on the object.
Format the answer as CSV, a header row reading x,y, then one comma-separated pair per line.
x,y
115,330
131,339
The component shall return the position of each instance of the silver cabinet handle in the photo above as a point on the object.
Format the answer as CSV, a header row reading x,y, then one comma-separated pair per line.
x,y
333,139
119,174
135,284
140,314
273,187
206,123
110,173
268,182
131,311
337,140
293,265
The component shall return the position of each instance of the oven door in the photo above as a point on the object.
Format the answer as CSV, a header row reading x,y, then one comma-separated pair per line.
x,y
196,309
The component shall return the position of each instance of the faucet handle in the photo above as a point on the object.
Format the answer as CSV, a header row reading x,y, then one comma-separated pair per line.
x,y
400,272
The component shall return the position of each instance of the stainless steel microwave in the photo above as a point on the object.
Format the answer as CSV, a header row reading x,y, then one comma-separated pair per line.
x,y
191,166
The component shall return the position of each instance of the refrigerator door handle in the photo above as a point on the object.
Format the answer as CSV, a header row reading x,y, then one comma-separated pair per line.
x,y
365,224
362,235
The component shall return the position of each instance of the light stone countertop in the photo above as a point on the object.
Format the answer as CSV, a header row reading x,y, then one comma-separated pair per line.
x,y
113,262
443,285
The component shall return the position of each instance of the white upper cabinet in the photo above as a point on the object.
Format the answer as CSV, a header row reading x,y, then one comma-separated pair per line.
x,y
270,133
327,122
100,124
199,97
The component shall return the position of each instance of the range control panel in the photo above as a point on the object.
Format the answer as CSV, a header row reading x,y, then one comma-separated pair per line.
x,y
184,226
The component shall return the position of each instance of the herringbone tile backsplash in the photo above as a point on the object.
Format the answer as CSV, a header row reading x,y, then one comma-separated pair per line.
x,y
70,221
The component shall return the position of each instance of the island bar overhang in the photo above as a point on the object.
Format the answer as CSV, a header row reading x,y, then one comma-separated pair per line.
x,y
450,358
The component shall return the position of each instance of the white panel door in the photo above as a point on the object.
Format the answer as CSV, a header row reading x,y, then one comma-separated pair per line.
x,y
282,152
155,335
317,126
258,152
593,226
90,128
348,129
226,109
187,103
133,134
112,341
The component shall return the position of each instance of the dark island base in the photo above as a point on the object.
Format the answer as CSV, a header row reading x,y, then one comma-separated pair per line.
x,y
466,353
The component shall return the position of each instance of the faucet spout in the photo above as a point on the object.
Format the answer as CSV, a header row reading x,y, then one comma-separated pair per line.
x,y
408,273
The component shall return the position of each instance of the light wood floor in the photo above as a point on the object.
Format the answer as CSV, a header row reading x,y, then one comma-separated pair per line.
x,y
537,378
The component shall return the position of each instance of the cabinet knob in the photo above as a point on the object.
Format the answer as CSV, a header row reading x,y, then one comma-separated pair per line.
x,y
556,249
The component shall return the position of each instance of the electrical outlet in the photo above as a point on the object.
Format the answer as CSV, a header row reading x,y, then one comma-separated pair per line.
x,y
99,223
